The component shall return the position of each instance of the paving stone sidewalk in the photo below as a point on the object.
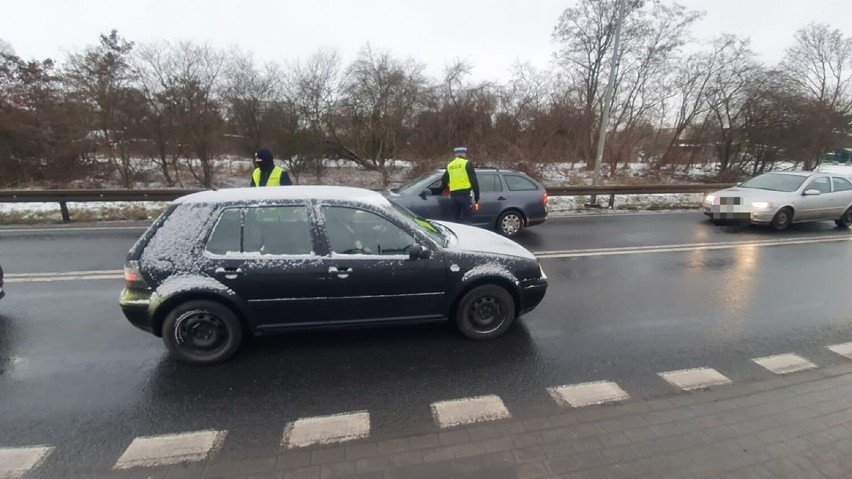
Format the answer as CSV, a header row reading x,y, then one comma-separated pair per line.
x,y
798,425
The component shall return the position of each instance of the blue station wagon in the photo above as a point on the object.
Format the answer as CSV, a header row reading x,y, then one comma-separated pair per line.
x,y
509,200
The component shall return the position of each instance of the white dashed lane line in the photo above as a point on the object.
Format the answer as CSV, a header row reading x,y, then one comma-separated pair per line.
x,y
469,411
588,394
785,363
844,349
698,378
326,429
15,462
170,449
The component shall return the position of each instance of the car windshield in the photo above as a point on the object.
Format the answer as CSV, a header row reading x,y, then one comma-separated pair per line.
x,y
433,230
775,182
411,186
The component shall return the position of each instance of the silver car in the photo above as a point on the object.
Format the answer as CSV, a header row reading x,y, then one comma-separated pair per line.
x,y
782,198
508,200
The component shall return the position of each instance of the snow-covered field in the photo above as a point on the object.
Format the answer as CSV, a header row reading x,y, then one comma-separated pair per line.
x,y
235,173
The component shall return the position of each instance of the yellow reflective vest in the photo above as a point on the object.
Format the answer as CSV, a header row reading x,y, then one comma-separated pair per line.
x,y
457,171
274,177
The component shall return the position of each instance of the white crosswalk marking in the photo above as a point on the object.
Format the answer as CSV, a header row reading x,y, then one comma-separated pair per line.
x,y
844,349
469,410
698,378
326,429
170,449
17,461
785,363
588,394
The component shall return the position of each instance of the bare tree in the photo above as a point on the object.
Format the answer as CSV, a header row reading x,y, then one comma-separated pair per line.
x,y
382,99
154,70
527,129
196,76
652,34
314,90
101,77
690,83
250,93
819,64
650,52
727,95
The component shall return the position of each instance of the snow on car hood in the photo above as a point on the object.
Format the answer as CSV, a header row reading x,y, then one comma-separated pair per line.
x,y
472,238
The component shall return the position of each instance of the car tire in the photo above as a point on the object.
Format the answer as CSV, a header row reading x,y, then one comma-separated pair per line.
x,y
202,332
846,220
510,223
782,219
485,312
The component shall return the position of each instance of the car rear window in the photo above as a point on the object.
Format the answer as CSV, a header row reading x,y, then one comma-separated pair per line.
x,y
225,237
489,183
842,184
268,230
519,183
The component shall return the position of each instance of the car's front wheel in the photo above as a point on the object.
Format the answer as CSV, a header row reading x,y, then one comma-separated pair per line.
x,y
485,312
202,332
846,220
782,219
510,223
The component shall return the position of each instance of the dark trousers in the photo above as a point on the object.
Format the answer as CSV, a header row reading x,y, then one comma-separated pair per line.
x,y
462,208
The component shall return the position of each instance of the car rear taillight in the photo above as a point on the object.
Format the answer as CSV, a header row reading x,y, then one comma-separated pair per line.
x,y
544,198
132,277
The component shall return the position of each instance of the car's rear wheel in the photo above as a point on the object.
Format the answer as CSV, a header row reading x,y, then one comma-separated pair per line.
x,y
485,312
510,223
846,220
782,219
202,332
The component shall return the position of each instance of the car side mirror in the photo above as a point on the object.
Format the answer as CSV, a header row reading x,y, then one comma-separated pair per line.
x,y
811,193
419,252
423,194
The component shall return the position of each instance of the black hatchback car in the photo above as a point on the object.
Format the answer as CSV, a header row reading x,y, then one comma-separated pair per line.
x,y
508,200
217,264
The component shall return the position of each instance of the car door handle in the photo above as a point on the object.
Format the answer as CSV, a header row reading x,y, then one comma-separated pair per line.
x,y
501,198
229,273
342,273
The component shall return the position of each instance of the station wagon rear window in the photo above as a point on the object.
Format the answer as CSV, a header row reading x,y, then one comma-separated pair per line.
x,y
519,183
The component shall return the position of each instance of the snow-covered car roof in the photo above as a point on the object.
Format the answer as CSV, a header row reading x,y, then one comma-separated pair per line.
x,y
318,192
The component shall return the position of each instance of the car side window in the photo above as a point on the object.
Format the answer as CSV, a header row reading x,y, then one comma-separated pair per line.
x,y
225,237
489,183
357,231
842,184
823,185
277,230
519,183
435,187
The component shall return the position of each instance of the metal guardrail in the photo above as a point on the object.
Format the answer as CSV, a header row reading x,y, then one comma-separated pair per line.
x,y
63,197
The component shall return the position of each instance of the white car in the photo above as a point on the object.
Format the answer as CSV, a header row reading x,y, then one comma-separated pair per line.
x,y
782,198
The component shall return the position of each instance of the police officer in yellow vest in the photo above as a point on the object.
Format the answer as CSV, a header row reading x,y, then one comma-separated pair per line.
x,y
266,173
460,179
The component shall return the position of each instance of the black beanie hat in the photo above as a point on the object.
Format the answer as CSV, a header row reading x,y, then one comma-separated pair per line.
x,y
264,154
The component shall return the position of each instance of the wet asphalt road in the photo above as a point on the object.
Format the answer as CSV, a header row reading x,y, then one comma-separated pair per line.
x,y
75,374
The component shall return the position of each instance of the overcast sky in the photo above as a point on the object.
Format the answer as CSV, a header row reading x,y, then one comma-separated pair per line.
x,y
491,35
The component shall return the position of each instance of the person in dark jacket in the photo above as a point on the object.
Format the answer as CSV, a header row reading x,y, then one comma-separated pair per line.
x,y
460,180
266,173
